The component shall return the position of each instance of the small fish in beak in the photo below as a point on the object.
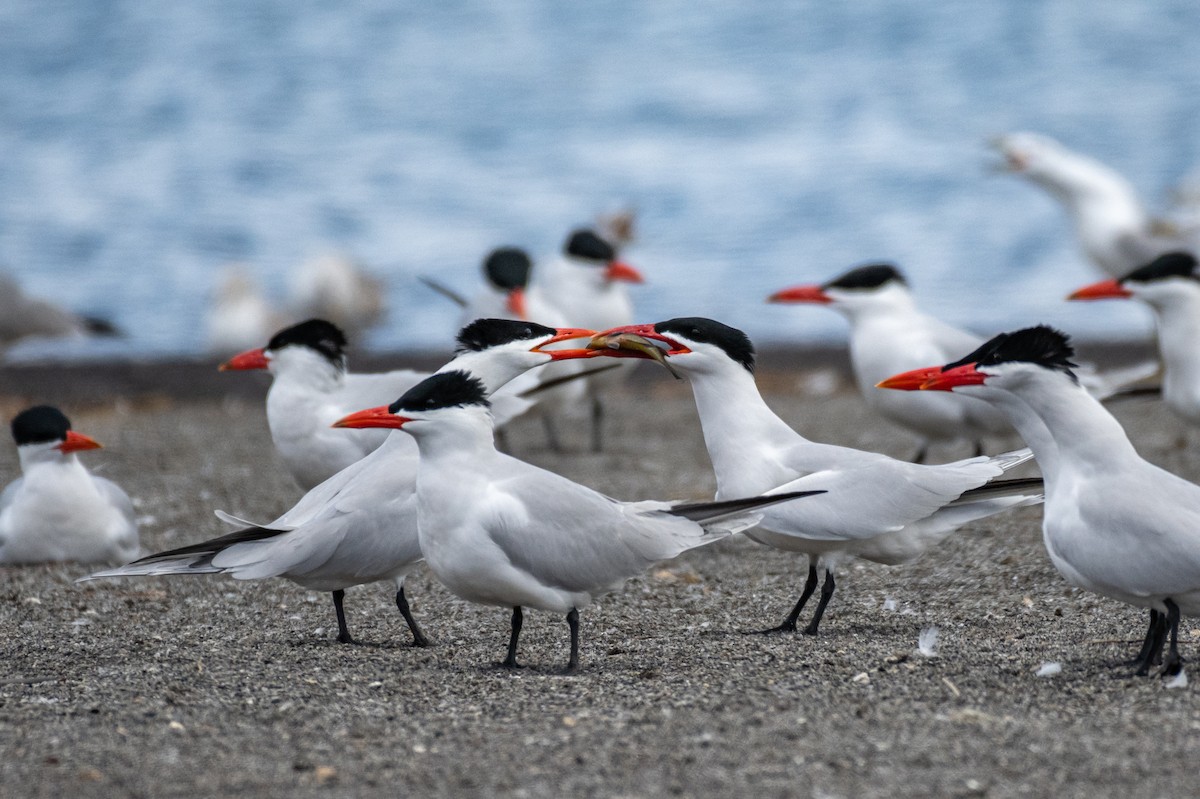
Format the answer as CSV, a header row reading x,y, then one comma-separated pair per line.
x,y
631,342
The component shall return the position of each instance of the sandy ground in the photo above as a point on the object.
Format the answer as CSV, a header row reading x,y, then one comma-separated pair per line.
x,y
206,686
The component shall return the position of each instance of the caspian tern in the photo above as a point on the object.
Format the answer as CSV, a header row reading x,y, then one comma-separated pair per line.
x,y
586,285
1114,524
499,531
310,390
57,510
360,525
1110,221
888,334
1170,285
878,508
506,276
22,316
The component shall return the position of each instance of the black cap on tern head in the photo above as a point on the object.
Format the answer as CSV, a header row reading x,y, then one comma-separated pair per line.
x,y
508,268
1172,264
1041,345
735,343
316,334
443,390
39,425
484,334
868,276
587,245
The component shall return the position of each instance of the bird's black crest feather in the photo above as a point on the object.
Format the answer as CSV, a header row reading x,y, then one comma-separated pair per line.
x,y
484,334
586,244
1042,345
868,276
316,334
1172,264
443,390
508,268
735,343
40,424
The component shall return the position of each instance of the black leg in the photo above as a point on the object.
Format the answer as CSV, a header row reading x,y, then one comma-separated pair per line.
x,y
597,425
921,453
510,662
978,448
573,623
343,632
1157,636
1174,663
1142,659
789,624
419,638
552,440
826,593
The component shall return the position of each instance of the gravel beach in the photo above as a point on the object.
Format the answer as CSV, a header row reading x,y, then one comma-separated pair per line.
x,y
207,686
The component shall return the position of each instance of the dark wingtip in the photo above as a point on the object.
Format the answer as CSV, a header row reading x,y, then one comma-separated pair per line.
x,y
98,326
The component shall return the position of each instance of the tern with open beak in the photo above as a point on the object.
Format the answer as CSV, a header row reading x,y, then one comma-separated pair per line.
x,y
879,508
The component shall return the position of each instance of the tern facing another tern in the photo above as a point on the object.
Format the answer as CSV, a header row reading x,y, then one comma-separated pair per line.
x,y
57,510
1114,524
310,390
1170,285
499,531
878,508
888,334
360,525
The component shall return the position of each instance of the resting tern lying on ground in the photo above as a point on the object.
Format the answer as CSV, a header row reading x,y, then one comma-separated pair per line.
x,y
1114,524
499,531
57,510
360,525
878,508
888,335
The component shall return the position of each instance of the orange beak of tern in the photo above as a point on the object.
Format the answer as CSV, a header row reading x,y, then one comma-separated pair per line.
x,y
379,417
619,270
76,442
934,378
1104,290
910,381
812,293
515,302
567,334
250,359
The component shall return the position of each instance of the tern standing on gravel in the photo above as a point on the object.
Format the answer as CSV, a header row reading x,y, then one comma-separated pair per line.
x,y
360,525
499,531
878,508
888,334
1114,524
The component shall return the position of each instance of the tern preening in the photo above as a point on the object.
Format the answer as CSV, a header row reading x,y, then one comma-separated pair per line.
x,y
360,525
587,285
888,334
879,508
1110,222
499,531
57,510
310,390
1170,285
1114,524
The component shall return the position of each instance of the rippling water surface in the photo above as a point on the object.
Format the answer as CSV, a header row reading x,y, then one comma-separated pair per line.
x,y
145,144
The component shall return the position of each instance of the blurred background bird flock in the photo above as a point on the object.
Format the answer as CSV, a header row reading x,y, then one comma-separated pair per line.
x,y
996,337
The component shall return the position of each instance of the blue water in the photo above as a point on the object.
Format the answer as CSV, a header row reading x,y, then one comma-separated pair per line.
x,y
144,144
